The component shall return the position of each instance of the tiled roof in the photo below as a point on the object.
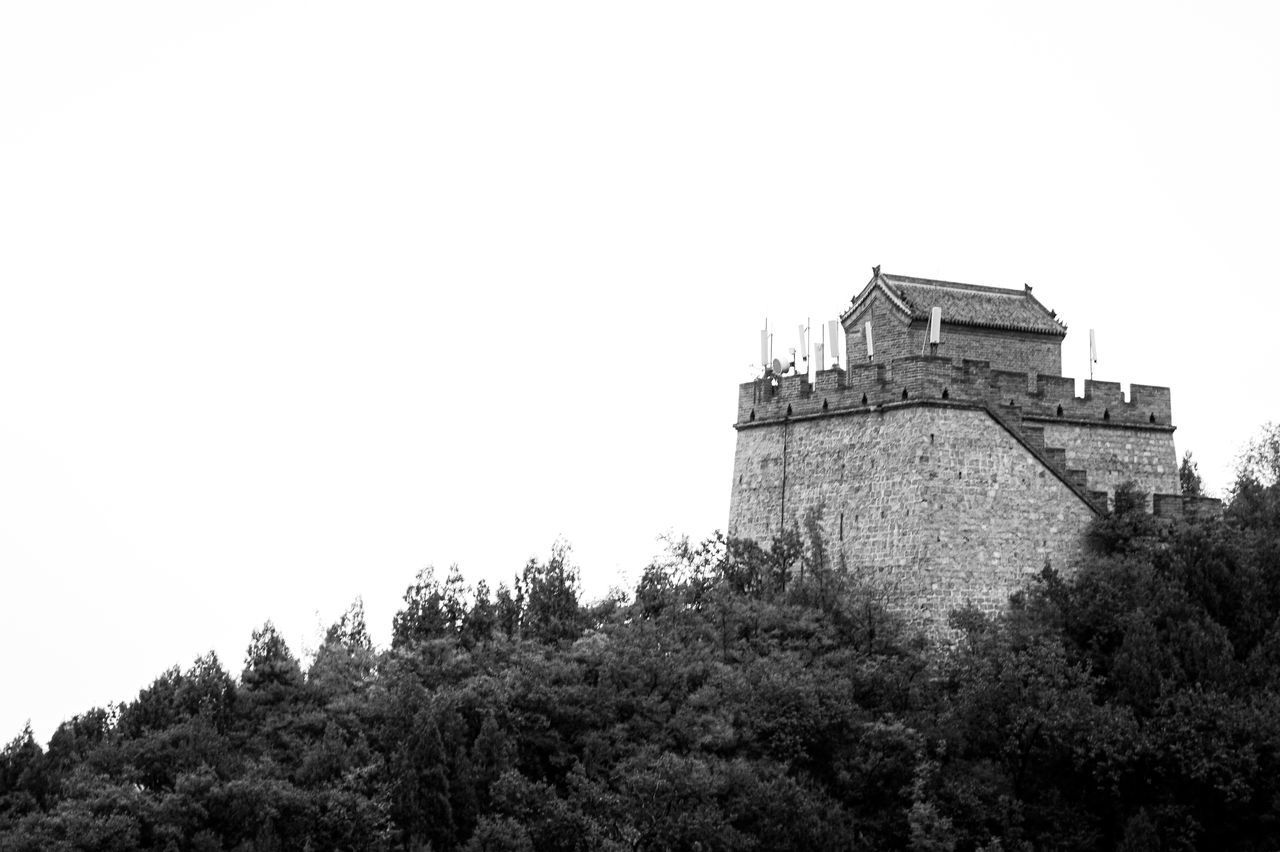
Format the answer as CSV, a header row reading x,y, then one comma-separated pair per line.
x,y
964,304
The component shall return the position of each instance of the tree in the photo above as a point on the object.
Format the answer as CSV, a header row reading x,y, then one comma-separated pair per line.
x,y
1254,498
550,591
24,780
420,802
76,739
345,661
1260,461
507,610
1189,476
454,600
269,664
424,615
1128,526
481,619
207,690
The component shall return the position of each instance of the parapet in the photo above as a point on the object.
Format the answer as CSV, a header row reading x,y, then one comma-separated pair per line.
x,y
1184,506
1039,397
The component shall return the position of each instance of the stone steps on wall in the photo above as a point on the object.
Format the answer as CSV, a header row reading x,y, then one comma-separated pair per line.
x,y
1056,456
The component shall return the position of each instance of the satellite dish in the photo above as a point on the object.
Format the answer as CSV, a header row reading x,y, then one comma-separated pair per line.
x,y
777,366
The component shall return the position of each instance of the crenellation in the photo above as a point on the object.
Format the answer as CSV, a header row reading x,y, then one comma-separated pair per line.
x,y
1105,393
975,372
795,388
1054,389
921,375
926,377
1152,399
865,377
1015,386
830,381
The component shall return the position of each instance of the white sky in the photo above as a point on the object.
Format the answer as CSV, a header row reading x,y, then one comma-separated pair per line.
x,y
299,298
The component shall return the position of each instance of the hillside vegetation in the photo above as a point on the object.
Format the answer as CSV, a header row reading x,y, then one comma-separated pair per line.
x,y
740,698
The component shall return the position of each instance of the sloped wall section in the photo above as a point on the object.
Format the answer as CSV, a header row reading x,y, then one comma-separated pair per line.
x,y
1114,456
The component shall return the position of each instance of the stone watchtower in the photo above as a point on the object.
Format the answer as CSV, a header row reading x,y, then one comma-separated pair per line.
x,y
946,475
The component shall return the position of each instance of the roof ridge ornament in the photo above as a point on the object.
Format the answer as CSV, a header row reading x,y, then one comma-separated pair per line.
x,y
875,271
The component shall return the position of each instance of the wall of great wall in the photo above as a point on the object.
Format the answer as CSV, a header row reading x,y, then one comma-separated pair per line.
x,y
947,483
926,376
1109,439
936,506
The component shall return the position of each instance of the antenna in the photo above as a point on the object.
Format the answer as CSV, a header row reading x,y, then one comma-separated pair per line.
x,y
835,344
819,355
803,349
871,349
764,345
1093,353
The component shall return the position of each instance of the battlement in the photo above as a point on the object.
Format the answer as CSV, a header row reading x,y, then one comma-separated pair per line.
x,y
1037,397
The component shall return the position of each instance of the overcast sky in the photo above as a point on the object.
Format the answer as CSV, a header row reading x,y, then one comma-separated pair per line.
x,y
300,298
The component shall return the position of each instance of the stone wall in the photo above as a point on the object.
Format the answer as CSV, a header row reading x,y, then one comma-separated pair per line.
x,y
1113,455
1039,397
1004,350
935,505
890,333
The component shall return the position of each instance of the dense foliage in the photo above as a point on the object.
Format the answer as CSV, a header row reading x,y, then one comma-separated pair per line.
x,y
741,698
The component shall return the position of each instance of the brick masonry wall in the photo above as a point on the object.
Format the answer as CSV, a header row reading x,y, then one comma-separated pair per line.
x,y
896,336
934,506
1039,397
1005,350
1112,455
891,333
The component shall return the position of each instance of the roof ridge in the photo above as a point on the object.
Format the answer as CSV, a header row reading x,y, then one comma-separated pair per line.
x,y
878,281
974,305
983,288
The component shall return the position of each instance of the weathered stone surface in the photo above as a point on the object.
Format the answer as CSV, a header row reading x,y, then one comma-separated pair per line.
x,y
936,506
1113,456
